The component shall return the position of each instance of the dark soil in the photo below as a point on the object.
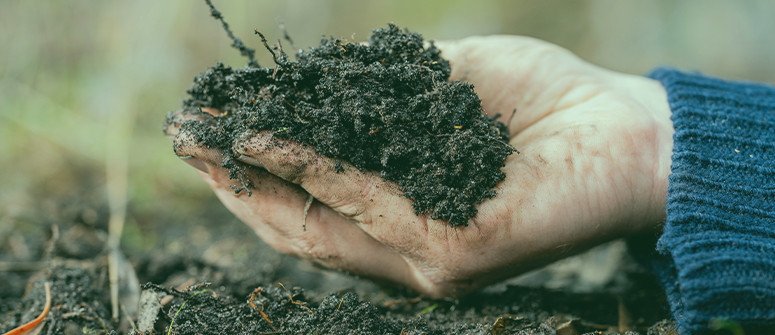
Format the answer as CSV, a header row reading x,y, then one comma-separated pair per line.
x,y
385,106
203,278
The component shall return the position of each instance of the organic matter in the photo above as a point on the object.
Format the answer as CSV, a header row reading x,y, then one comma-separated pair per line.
x,y
385,106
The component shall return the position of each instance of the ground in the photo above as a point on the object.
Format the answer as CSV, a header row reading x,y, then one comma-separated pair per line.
x,y
201,270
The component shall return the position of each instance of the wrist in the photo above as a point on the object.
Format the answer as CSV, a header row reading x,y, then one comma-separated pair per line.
x,y
655,98
649,97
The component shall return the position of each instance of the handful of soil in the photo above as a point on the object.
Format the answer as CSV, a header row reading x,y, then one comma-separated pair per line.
x,y
384,106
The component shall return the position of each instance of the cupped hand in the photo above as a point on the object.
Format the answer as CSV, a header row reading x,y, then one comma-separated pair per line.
x,y
594,155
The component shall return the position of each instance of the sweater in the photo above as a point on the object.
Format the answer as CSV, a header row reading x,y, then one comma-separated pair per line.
x,y
716,254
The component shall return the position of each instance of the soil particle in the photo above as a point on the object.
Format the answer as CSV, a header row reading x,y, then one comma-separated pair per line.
x,y
384,106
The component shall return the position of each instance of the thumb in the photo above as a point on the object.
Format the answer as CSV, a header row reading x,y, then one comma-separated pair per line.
x,y
514,73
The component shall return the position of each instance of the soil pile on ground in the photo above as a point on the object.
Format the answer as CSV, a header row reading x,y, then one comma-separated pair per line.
x,y
254,289
385,106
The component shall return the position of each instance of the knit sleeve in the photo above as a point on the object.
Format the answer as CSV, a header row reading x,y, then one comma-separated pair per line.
x,y
718,244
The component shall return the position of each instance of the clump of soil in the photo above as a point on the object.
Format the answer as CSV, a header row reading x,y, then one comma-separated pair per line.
x,y
385,106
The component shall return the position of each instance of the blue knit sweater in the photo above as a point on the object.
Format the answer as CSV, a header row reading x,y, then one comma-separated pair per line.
x,y
718,244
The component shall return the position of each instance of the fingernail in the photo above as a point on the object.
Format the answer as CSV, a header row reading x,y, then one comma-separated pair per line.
x,y
249,160
197,164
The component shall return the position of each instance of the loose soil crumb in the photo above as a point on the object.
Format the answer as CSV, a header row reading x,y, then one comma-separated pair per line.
x,y
385,106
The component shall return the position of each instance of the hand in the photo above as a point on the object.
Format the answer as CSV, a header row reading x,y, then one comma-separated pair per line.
x,y
594,158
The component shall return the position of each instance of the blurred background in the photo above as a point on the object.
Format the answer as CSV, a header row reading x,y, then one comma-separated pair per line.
x,y
85,85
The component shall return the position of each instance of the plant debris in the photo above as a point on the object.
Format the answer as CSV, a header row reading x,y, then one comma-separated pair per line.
x,y
36,323
385,106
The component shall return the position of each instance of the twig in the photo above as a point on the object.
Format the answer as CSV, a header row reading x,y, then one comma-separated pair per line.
x,y
340,304
266,45
260,311
27,327
302,304
244,185
236,42
131,322
117,179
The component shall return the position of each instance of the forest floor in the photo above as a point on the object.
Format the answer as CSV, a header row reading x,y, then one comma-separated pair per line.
x,y
194,269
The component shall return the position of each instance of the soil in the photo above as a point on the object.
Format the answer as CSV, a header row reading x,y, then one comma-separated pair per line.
x,y
384,106
202,278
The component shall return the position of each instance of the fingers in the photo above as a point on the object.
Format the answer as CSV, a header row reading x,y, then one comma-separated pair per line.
x,y
375,204
276,212
319,175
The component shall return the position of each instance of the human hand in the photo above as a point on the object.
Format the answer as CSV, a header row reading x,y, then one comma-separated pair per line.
x,y
594,158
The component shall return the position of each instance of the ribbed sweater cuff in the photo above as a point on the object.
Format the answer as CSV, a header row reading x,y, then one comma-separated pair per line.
x,y
719,238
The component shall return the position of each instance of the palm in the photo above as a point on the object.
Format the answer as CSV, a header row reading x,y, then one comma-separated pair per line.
x,y
590,158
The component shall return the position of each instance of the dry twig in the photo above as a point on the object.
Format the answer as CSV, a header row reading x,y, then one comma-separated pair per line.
x,y
28,327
